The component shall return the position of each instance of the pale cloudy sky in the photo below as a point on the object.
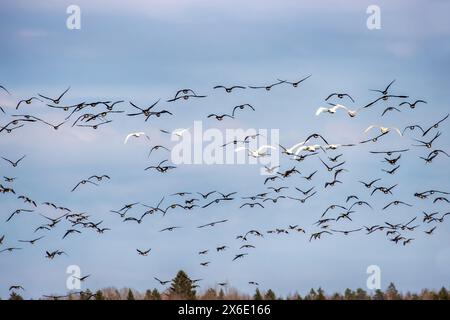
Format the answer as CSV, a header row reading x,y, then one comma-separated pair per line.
x,y
148,50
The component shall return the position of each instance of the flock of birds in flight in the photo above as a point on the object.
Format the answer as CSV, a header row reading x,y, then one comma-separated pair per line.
x,y
315,146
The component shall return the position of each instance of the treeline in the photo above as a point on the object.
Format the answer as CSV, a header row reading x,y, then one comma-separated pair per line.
x,y
183,288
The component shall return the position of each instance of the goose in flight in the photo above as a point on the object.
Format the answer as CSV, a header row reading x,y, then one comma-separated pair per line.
x,y
384,98
56,100
169,229
163,283
346,232
83,182
9,179
332,167
388,109
391,171
82,279
185,92
340,96
53,254
17,212
317,235
305,193
99,178
157,147
206,195
360,203
384,130
260,152
220,117
27,200
143,253
413,104
10,249
239,256
4,89
435,126
15,122
385,91
212,224
70,231
332,207
412,128
241,107
160,168
32,241
27,101
392,161
396,203
16,287
146,112
430,232
268,87
185,97
295,83
390,152
428,144
14,163
135,135
229,89
433,154
251,204
221,248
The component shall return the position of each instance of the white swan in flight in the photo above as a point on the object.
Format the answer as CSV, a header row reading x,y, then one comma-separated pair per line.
x,y
291,151
135,135
260,152
331,110
335,108
338,145
383,130
310,148
179,132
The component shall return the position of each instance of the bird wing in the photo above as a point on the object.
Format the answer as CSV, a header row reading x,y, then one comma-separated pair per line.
x,y
370,128
240,149
265,147
340,106
127,137
321,110
397,130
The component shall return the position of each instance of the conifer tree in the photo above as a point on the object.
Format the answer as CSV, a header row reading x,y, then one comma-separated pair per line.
x,y
443,294
156,295
221,294
130,295
270,295
15,296
257,295
182,287
320,294
392,293
378,295
99,295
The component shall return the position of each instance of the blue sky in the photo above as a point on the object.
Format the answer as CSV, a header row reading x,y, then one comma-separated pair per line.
x,y
150,49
